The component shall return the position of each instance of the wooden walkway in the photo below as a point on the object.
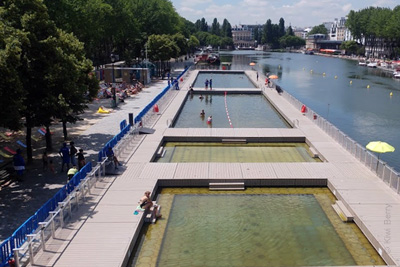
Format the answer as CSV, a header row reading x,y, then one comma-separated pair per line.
x,y
104,231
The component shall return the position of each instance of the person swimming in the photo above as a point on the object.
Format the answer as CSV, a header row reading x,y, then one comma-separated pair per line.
x,y
202,113
201,97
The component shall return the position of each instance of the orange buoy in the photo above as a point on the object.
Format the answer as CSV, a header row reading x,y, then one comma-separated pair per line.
x,y
303,109
155,108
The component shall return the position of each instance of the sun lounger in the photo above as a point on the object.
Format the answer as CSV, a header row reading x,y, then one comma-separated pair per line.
x,y
5,137
5,155
6,148
44,130
21,144
41,132
34,138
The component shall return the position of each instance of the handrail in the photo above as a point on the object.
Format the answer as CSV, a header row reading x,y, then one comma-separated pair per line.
x,y
381,169
45,216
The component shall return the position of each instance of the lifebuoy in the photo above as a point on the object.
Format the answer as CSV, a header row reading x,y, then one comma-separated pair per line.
x,y
303,109
155,108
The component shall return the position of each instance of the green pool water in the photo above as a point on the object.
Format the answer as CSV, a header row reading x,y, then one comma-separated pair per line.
x,y
221,80
257,227
250,152
245,111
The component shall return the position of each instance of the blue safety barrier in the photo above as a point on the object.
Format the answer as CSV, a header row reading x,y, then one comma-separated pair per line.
x,y
30,225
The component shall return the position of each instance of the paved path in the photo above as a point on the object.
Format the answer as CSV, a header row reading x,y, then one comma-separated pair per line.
x,y
91,134
104,235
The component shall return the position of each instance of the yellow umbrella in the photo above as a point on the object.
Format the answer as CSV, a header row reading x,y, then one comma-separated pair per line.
x,y
379,147
252,64
273,76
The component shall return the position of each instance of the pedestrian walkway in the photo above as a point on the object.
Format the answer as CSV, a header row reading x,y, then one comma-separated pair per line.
x,y
91,134
105,235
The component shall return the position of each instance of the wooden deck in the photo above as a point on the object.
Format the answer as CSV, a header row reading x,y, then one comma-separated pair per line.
x,y
105,229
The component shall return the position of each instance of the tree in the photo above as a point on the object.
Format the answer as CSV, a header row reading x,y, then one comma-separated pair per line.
x,y
291,41
193,43
320,29
47,55
215,27
267,32
162,47
11,98
351,47
290,31
281,27
181,42
203,25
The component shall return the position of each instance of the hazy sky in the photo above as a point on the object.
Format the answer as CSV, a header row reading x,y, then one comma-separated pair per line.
x,y
300,13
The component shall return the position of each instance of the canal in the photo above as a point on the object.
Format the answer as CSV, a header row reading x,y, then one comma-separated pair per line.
x,y
355,99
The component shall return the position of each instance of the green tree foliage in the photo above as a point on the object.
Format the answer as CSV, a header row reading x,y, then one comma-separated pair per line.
x,y
226,29
116,26
215,27
11,88
48,62
290,31
351,47
291,41
373,24
181,42
162,47
281,27
320,29
193,43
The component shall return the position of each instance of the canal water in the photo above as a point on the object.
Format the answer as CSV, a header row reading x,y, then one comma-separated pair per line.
x,y
355,99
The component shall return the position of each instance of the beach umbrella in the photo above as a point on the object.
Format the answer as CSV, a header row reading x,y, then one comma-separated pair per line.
x,y
379,147
252,64
273,76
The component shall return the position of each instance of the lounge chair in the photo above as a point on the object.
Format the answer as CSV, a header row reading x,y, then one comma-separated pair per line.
x,y
5,155
6,148
5,137
41,132
44,130
36,139
21,144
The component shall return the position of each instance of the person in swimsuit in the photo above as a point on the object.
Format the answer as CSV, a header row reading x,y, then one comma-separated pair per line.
x,y
146,203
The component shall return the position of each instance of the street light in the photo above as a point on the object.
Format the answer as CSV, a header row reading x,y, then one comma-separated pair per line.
x,y
113,59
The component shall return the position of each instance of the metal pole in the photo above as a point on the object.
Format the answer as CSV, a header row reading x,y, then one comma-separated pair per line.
x,y
31,256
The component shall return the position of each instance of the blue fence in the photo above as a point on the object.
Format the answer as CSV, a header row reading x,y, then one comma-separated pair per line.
x,y
29,226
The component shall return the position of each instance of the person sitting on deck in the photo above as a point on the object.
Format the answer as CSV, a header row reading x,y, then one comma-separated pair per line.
x,y
110,155
146,203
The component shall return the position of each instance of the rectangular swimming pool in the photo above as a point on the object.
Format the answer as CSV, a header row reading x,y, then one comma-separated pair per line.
x,y
232,110
250,152
223,79
258,227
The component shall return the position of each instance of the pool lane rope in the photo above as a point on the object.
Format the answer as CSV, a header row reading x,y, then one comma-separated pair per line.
x,y
227,112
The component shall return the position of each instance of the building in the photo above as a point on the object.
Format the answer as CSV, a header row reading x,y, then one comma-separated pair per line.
x,y
243,35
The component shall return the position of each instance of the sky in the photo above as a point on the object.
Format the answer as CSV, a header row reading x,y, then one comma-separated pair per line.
x,y
297,13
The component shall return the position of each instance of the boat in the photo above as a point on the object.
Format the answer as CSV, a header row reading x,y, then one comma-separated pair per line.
x,y
372,65
207,58
362,63
396,74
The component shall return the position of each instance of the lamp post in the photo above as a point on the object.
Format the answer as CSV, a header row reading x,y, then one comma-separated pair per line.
x,y
114,97
112,56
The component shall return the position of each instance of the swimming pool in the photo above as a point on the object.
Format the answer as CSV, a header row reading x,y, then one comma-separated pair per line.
x,y
233,110
250,152
257,227
223,79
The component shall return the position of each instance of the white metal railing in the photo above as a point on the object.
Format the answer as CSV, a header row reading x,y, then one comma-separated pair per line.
x,y
56,220
384,172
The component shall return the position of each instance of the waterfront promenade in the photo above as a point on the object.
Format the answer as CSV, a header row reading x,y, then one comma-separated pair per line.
x,y
103,231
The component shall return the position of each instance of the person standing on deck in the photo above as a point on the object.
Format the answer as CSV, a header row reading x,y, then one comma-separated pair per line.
x,y
65,157
206,84
210,84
